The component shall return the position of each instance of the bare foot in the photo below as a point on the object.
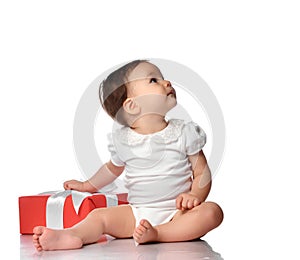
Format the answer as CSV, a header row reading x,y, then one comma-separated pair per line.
x,y
145,232
51,239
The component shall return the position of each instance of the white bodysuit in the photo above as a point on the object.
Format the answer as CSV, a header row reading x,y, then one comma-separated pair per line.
x,y
157,167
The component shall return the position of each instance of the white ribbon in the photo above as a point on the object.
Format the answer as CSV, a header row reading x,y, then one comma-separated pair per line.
x,y
56,202
111,200
55,207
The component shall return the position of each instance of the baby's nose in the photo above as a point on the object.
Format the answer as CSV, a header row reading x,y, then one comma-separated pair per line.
x,y
167,83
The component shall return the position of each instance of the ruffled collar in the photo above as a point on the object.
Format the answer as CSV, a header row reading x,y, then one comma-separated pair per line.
x,y
169,134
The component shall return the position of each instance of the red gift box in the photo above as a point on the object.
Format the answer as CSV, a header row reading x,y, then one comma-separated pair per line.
x,y
34,210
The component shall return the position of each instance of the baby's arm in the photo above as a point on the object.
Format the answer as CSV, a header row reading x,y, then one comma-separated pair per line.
x,y
105,175
202,176
201,183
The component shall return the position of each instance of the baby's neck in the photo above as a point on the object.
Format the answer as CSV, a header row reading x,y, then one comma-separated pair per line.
x,y
149,125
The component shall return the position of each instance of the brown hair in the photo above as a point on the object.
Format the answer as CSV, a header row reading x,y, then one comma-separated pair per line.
x,y
113,91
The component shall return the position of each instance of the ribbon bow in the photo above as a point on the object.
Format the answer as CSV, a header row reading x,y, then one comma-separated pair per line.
x,y
55,206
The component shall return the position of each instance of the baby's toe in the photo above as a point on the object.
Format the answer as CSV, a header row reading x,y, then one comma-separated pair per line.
x,y
38,230
35,237
145,224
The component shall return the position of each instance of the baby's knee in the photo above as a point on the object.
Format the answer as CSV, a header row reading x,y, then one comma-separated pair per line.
x,y
97,214
213,212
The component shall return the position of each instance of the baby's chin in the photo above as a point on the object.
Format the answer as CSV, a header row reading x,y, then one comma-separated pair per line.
x,y
172,101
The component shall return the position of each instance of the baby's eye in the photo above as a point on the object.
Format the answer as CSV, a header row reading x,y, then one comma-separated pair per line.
x,y
153,80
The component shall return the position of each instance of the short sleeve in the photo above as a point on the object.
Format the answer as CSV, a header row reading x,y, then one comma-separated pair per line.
x,y
115,159
195,138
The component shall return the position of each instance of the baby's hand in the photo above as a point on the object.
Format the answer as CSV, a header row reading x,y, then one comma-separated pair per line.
x,y
74,185
187,201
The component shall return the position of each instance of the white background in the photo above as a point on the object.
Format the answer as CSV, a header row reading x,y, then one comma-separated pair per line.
x,y
248,53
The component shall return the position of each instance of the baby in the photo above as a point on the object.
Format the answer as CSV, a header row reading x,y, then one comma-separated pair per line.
x,y
167,175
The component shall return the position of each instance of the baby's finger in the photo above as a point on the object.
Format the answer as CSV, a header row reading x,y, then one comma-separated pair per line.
x,y
70,186
66,186
196,202
190,204
184,203
179,202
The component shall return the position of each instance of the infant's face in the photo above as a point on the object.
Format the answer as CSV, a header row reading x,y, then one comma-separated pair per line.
x,y
148,87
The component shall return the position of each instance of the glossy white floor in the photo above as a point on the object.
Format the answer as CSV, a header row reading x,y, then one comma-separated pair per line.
x,y
124,249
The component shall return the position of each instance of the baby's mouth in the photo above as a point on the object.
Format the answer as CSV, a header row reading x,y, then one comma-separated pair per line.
x,y
172,92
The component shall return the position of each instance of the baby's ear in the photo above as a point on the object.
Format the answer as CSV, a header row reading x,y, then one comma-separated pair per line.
x,y
131,106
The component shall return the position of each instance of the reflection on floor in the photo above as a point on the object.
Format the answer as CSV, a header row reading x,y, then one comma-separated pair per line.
x,y
123,249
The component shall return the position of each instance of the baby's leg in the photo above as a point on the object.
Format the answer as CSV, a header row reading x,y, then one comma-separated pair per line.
x,y
186,225
116,221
